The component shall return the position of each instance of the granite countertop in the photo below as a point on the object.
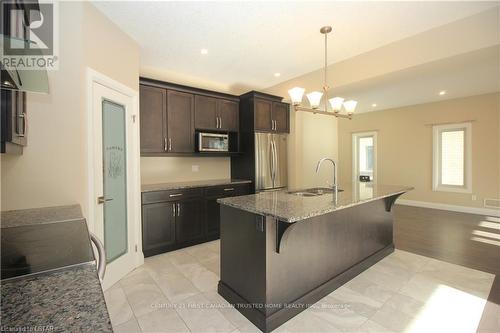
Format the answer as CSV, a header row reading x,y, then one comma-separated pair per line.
x,y
292,208
191,184
16,218
54,284
69,300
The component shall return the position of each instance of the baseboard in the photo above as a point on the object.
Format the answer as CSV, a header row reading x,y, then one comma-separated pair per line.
x,y
453,208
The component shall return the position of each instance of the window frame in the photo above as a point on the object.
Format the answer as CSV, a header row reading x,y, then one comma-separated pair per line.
x,y
436,158
355,160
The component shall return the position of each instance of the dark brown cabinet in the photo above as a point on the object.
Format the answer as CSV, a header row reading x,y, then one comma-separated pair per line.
x,y
189,223
205,112
158,227
170,114
216,114
180,119
173,219
153,115
228,112
271,116
263,115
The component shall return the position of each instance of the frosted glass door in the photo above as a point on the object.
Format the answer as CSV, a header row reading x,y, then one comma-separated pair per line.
x,y
115,180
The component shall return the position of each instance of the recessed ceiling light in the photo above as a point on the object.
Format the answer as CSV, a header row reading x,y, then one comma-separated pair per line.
x,y
442,92
204,51
374,105
277,74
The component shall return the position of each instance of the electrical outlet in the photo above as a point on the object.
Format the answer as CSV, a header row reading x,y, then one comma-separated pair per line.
x,y
474,197
195,168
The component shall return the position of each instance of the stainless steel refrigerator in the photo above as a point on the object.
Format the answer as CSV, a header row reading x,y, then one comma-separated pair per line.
x,y
270,161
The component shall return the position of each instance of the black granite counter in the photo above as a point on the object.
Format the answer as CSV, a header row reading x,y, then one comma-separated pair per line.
x,y
191,184
69,300
291,208
49,276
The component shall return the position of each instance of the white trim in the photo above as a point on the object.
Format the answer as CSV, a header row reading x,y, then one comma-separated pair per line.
x,y
436,152
453,208
134,191
355,136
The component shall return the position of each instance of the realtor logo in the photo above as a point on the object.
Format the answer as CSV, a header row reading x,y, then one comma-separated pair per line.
x,y
29,29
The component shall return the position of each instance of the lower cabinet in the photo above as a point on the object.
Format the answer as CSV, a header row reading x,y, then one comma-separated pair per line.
x,y
158,227
180,218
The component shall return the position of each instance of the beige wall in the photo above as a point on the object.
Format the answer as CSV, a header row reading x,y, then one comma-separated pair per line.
x,y
176,169
405,146
52,169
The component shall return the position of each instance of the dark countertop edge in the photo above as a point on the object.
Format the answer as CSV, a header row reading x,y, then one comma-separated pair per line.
x,y
193,184
314,213
50,271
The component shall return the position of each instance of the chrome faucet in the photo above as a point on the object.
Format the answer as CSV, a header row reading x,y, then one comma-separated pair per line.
x,y
334,185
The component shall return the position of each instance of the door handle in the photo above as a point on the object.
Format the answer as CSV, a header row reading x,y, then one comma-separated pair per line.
x,y
178,209
165,144
169,144
175,195
101,264
220,122
275,160
101,200
173,209
229,189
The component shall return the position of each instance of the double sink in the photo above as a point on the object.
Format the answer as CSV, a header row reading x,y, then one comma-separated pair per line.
x,y
313,192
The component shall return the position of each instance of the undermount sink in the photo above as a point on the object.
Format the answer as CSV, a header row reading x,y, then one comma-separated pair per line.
x,y
313,192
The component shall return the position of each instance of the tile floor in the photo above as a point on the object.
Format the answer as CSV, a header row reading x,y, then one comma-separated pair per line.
x,y
177,292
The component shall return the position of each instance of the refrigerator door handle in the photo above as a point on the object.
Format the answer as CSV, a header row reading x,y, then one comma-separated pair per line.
x,y
271,162
275,161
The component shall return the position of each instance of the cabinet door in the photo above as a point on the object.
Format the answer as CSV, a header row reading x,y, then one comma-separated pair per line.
x,y
180,120
205,112
212,217
158,227
280,117
153,119
189,222
228,112
263,115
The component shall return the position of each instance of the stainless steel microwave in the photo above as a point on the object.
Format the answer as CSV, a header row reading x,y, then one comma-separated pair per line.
x,y
213,142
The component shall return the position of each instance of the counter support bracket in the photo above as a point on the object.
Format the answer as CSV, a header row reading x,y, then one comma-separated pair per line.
x,y
281,227
389,201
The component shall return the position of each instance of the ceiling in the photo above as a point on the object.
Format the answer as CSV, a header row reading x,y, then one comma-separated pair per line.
x,y
468,74
248,42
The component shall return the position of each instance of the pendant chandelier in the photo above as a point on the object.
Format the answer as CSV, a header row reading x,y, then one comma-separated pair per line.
x,y
314,97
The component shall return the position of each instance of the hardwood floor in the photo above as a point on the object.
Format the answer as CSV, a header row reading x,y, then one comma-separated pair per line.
x,y
465,239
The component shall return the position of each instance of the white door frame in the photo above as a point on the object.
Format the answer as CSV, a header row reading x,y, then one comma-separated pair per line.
x,y
133,160
355,137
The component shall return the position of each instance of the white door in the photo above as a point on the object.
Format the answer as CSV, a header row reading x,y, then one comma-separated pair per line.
x,y
364,157
115,220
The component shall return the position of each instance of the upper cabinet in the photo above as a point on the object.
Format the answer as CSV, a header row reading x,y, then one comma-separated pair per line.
x,y
153,115
171,114
270,114
216,114
180,119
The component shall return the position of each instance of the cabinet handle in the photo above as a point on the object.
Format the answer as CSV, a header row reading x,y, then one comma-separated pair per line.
x,y
220,122
178,209
229,189
173,206
175,195
165,144
216,122
169,144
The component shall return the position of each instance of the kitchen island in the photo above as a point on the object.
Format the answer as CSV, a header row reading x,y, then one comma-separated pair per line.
x,y
283,251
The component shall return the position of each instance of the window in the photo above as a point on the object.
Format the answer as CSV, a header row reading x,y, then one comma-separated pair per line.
x,y
364,156
452,158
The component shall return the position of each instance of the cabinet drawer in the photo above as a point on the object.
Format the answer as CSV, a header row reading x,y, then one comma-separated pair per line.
x,y
171,195
228,190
